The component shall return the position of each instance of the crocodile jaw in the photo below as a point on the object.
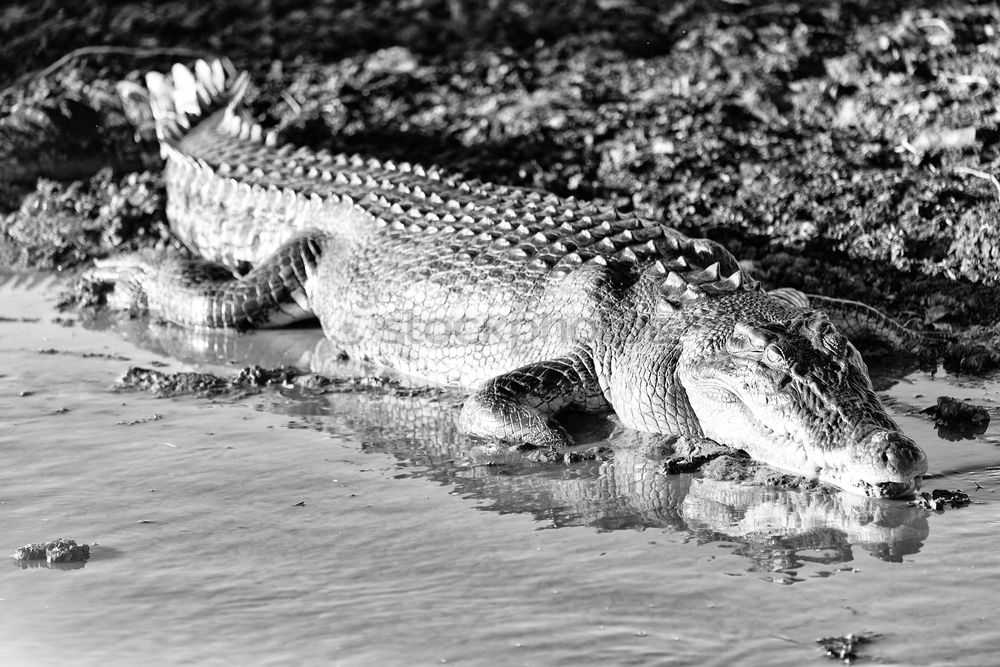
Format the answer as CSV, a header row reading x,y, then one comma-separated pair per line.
x,y
882,463
793,393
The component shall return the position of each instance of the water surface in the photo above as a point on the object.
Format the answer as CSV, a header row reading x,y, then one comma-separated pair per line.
x,y
359,529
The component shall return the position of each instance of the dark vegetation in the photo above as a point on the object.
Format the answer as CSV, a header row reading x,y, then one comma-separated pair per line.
x,y
845,148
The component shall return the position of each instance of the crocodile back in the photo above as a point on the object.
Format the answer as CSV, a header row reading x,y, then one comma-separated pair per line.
x,y
415,253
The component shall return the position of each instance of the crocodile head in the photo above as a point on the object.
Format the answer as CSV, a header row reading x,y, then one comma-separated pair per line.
x,y
788,388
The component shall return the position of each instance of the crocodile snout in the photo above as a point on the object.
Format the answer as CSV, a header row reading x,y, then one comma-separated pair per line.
x,y
899,462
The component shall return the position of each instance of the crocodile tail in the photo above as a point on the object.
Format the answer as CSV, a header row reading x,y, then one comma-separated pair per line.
x,y
187,98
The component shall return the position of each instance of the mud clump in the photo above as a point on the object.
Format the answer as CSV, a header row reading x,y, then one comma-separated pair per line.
x,y
205,385
845,648
938,499
691,454
253,379
958,420
56,551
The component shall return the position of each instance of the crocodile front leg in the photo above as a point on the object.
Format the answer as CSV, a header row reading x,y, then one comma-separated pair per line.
x,y
518,407
204,294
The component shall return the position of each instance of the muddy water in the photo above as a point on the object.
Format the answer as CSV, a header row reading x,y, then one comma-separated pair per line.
x,y
357,528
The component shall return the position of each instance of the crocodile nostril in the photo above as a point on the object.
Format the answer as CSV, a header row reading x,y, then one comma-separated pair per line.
x,y
895,453
773,355
890,456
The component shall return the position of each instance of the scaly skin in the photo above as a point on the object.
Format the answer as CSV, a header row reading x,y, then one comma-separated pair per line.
x,y
540,303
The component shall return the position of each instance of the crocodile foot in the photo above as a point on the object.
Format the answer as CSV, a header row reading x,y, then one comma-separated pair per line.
x,y
691,453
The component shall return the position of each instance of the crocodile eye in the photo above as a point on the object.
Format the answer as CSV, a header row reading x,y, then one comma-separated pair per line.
x,y
835,342
774,356
747,338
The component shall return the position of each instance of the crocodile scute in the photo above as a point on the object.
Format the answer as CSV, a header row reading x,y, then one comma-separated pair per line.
x,y
537,303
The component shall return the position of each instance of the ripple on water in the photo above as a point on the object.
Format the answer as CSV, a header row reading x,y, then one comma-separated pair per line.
x,y
376,535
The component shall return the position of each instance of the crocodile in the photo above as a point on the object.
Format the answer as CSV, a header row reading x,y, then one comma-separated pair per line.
x,y
536,303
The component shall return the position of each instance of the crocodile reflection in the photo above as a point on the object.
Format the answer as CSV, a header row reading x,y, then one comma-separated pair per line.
x,y
776,529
